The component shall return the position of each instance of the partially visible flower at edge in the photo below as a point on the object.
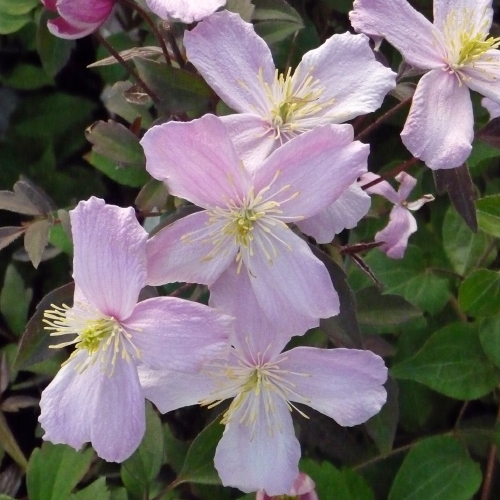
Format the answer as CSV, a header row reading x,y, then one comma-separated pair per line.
x,y
96,395
303,489
492,107
78,18
457,54
401,222
187,11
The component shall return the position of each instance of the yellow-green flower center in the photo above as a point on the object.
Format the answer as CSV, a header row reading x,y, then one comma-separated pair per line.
x,y
95,332
474,46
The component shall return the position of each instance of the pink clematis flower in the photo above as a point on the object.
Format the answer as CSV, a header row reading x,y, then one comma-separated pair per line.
x,y
492,107
78,18
302,489
259,450
458,56
401,222
187,11
241,239
96,396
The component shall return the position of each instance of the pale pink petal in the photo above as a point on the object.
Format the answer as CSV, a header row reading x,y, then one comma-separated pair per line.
x,y
420,43
304,485
344,213
197,161
382,188
230,55
170,390
187,11
439,128
407,183
118,418
175,334
263,455
292,286
466,14
344,384
349,74
181,252
63,29
492,107
109,264
310,172
252,137
395,235
483,75
85,12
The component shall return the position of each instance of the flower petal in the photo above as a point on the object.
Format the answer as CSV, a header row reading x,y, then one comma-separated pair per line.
x,y
230,56
63,29
492,107
50,5
175,334
170,390
180,252
344,213
407,184
439,128
356,82
344,384
264,455
85,12
468,15
420,43
395,235
318,165
382,188
185,11
197,161
483,75
109,264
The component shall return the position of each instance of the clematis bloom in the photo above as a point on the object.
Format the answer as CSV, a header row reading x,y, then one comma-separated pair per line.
x,y
303,489
259,450
96,396
241,239
457,54
187,11
401,222
78,18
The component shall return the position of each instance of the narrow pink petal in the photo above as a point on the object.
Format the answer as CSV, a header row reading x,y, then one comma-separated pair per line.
x,y
197,161
175,334
407,184
350,76
468,15
230,56
395,235
109,264
118,418
85,12
252,137
294,285
344,213
187,11
310,172
420,43
439,128
492,107
182,252
63,29
264,455
170,390
382,188
344,384
50,4
483,75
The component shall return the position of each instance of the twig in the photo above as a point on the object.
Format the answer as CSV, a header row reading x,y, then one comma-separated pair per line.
x,y
173,44
392,173
490,468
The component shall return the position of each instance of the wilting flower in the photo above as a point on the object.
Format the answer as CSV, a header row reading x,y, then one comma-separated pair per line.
x,y
401,222
241,240
302,489
492,107
96,396
187,11
259,450
458,55
78,18
333,84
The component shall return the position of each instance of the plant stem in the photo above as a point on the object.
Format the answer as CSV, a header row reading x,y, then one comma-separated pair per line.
x,y
131,70
392,173
173,44
490,467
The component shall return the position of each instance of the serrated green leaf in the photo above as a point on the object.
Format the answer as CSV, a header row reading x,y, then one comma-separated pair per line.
x,y
453,363
9,234
479,294
488,214
437,468
36,239
54,470
95,491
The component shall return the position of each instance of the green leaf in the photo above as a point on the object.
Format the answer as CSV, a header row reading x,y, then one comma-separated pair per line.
x,y
10,23
437,468
479,294
276,20
54,470
453,363
17,7
15,300
489,334
139,470
199,465
27,77
9,444
95,491
36,239
488,214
